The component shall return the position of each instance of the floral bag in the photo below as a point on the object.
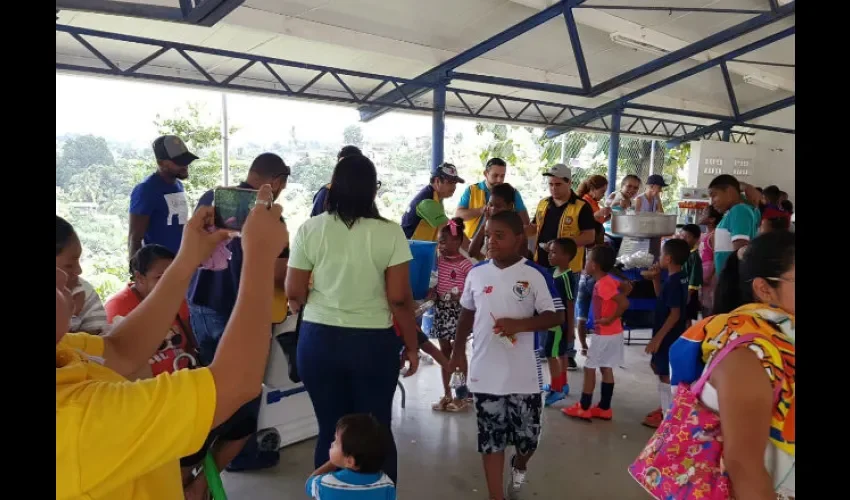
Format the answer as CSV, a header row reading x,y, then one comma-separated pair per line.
x,y
683,459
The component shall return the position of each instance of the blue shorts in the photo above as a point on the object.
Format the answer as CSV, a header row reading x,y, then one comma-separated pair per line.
x,y
583,297
660,360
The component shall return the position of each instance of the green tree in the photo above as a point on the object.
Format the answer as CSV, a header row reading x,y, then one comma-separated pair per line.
x,y
353,135
79,153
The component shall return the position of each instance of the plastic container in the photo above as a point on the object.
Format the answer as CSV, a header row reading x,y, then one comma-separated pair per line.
x,y
424,260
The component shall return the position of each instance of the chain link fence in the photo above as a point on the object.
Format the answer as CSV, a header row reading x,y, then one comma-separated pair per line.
x,y
587,155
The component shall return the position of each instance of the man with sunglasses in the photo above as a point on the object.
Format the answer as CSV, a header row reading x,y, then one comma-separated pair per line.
x,y
471,206
212,297
425,215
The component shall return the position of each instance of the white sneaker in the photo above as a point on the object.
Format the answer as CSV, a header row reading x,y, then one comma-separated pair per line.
x,y
517,478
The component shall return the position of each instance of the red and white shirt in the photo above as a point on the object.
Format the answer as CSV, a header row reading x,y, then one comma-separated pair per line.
x,y
451,274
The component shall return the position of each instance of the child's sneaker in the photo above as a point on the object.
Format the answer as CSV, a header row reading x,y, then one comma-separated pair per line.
x,y
517,476
601,414
571,364
576,411
553,397
654,419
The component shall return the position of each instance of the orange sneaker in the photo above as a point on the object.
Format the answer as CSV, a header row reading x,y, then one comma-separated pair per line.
x,y
654,413
654,419
576,411
601,414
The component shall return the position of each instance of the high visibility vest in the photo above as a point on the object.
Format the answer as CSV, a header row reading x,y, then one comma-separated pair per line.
x,y
567,228
415,227
477,199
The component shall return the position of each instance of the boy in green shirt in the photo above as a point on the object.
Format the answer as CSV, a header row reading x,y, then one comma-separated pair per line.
x,y
693,270
561,252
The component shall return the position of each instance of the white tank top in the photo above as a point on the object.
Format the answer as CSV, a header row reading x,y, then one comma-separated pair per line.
x,y
779,464
645,204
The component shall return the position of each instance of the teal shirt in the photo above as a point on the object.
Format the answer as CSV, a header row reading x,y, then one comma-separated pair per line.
x,y
740,222
348,267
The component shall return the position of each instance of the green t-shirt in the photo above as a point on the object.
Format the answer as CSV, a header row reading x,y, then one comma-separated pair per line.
x,y
348,267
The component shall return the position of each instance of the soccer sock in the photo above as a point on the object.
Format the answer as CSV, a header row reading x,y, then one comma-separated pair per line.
x,y
666,397
557,385
586,399
607,394
564,379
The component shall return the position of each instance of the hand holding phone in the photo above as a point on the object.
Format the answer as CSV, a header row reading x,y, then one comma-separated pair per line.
x,y
232,206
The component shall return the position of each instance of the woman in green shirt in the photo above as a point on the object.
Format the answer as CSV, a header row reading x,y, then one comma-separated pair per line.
x,y
348,352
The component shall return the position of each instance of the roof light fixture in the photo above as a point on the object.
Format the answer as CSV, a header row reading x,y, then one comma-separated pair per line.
x,y
637,43
761,82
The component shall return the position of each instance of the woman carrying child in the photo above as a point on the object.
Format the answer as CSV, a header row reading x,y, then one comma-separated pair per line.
x,y
452,268
752,386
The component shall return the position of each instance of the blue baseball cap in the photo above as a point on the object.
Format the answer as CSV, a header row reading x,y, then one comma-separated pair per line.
x,y
656,180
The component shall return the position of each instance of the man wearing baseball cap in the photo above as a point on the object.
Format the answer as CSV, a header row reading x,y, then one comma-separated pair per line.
x,y
563,215
650,200
158,209
425,215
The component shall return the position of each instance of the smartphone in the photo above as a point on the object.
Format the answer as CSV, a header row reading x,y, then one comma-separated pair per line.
x,y
232,206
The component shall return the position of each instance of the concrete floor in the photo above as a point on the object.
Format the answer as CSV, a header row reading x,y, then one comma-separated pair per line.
x,y
438,458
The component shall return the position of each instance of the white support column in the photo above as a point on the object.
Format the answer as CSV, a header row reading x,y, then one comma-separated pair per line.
x,y
225,142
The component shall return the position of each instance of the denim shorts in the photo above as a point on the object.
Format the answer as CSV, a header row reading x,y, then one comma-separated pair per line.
x,y
584,297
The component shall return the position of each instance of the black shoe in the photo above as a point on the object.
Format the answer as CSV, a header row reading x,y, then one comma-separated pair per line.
x,y
571,364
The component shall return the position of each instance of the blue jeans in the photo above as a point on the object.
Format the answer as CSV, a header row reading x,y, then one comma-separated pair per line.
x,y
349,370
208,327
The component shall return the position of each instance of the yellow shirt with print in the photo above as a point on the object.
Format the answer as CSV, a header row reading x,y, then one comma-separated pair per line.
x,y
123,440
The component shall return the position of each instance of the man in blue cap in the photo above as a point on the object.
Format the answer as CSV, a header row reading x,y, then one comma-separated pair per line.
x,y
425,215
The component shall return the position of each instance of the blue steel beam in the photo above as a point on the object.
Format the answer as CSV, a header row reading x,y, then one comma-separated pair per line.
x,y
438,127
441,71
766,63
524,111
619,103
749,115
695,48
520,84
197,12
710,10
733,101
614,152
578,53
706,116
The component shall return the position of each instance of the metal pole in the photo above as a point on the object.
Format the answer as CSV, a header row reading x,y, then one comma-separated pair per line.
x,y
652,158
725,135
225,142
438,126
613,151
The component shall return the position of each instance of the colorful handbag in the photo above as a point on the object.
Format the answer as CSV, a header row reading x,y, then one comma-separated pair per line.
x,y
683,459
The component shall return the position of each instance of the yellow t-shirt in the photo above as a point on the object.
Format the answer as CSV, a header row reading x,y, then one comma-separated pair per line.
x,y
117,439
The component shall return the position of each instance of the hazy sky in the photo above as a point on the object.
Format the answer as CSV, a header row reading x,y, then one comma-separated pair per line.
x,y
124,110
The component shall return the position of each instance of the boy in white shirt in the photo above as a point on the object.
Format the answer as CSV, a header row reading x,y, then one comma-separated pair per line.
x,y
499,302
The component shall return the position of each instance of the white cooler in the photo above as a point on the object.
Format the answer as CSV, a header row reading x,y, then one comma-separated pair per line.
x,y
285,406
